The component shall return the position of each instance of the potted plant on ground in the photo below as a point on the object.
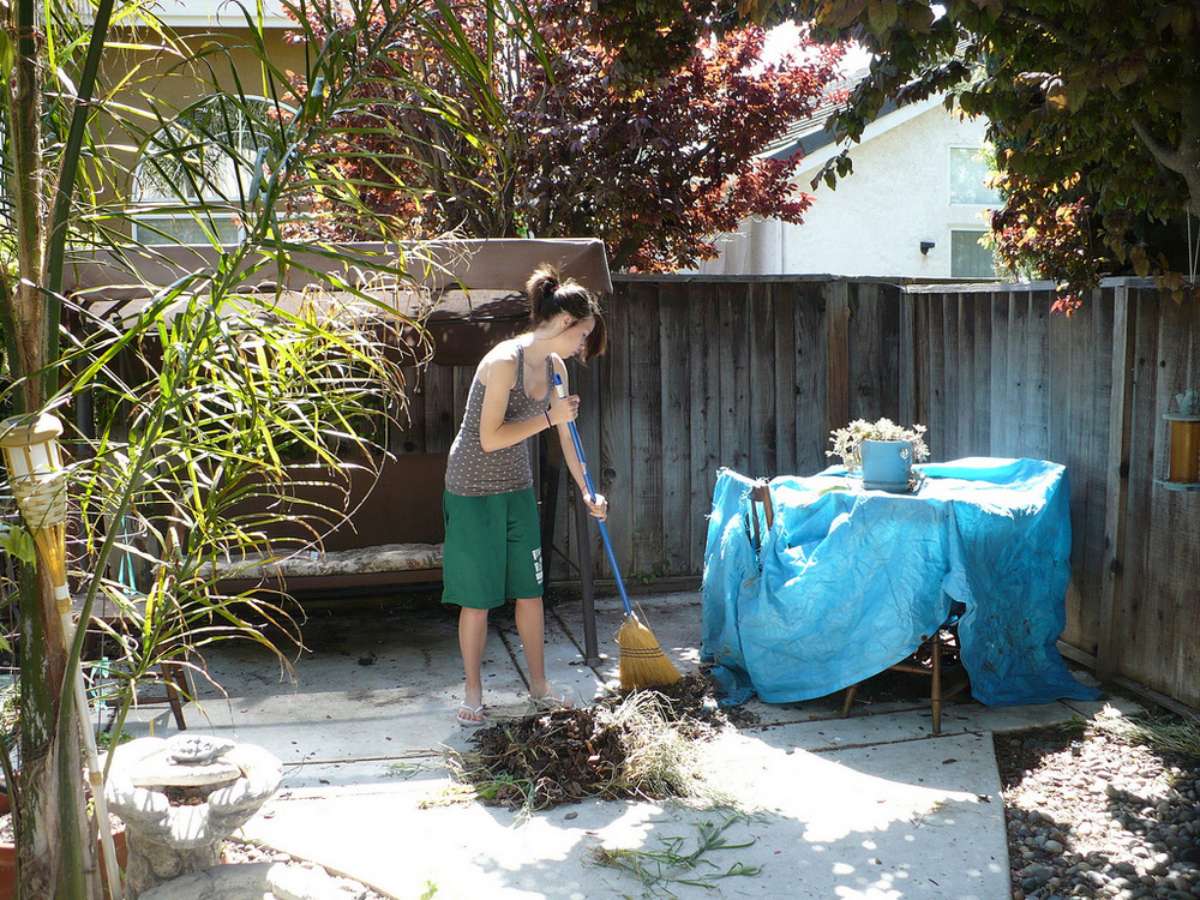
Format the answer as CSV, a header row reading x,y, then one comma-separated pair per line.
x,y
882,451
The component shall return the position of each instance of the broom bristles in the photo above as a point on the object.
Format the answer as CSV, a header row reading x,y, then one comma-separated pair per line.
x,y
643,663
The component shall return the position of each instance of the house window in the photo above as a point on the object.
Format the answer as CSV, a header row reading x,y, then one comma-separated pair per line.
x,y
204,158
969,173
968,257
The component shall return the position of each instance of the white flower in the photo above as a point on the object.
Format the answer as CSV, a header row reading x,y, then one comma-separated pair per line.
x,y
846,441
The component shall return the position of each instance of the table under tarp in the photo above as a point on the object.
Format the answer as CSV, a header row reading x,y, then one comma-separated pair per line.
x,y
847,582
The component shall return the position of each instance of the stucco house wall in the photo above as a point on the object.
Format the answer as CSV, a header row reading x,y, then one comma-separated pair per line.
x,y
875,220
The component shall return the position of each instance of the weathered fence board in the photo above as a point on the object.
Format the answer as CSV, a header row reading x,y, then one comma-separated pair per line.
x,y
933,413
1118,465
837,358
763,457
439,408
1132,603
704,413
812,376
736,366
675,463
998,383
787,390
615,408
646,464
951,381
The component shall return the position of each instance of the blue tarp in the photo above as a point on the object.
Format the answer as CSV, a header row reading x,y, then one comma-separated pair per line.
x,y
848,581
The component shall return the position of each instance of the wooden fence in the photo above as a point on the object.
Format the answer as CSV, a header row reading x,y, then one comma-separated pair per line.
x,y
752,373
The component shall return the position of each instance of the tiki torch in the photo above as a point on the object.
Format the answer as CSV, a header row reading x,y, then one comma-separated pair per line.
x,y
39,485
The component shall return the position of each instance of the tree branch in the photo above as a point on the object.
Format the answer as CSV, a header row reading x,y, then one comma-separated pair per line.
x,y
1164,155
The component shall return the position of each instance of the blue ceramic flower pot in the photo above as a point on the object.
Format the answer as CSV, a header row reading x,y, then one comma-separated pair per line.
x,y
886,464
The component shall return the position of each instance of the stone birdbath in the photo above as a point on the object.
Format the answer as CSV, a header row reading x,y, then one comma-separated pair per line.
x,y
181,797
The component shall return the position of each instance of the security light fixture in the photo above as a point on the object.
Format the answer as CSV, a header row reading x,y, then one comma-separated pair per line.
x,y
926,246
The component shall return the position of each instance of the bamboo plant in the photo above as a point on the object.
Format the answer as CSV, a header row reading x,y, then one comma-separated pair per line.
x,y
212,391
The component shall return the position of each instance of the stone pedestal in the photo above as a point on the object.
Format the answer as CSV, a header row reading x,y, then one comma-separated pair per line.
x,y
180,798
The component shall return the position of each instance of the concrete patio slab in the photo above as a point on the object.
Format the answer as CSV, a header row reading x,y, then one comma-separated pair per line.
x,y
914,725
871,822
869,806
676,622
370,687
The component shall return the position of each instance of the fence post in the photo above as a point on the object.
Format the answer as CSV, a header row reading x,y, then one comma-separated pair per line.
x,y
1117,482
908,358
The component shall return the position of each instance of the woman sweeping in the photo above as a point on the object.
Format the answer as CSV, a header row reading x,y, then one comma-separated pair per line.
x,y
493,549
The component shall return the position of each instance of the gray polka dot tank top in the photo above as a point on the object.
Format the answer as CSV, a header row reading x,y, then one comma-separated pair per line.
x,y
470,472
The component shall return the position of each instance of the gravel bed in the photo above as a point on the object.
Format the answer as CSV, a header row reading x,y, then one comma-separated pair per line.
x,y
1092,813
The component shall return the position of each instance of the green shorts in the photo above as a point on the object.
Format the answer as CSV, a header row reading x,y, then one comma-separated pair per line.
x,y
493,549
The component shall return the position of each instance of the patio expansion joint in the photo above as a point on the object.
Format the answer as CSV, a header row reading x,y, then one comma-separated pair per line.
x,y
908,740
512,654
553,610
346,760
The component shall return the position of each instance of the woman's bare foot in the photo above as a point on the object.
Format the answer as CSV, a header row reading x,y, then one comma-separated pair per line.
x,y
545,697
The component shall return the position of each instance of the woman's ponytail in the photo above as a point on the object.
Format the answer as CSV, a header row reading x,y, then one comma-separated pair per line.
x,y
541,289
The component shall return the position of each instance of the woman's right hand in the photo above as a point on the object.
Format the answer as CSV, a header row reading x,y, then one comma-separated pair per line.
x,y
563,409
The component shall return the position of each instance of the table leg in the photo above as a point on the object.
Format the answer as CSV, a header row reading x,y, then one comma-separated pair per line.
x,y
849,701
935,699
591,650
172,674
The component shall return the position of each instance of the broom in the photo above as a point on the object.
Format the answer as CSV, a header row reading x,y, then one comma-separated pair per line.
x,y
643,663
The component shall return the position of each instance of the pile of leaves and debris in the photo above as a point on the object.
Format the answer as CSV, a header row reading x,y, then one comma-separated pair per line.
x,y
640,744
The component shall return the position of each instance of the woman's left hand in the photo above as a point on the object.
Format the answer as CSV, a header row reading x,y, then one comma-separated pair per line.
x,y
597,506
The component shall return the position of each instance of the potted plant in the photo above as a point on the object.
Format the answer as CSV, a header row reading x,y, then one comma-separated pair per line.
x,y
882,451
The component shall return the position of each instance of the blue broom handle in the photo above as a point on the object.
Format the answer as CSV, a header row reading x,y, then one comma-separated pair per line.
x,y
561,389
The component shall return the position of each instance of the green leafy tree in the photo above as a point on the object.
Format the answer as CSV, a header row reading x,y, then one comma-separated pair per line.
x,y
655,170
1094,107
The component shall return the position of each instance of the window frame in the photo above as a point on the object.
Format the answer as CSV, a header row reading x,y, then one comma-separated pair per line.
x,y
139,208
972,229
950,148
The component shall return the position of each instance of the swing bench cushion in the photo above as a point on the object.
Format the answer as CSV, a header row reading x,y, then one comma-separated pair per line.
x,y
393,535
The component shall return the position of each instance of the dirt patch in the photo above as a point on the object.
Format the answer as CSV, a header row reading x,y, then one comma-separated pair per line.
x,y
191,796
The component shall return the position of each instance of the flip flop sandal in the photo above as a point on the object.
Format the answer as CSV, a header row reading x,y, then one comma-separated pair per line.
x,y
465,720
